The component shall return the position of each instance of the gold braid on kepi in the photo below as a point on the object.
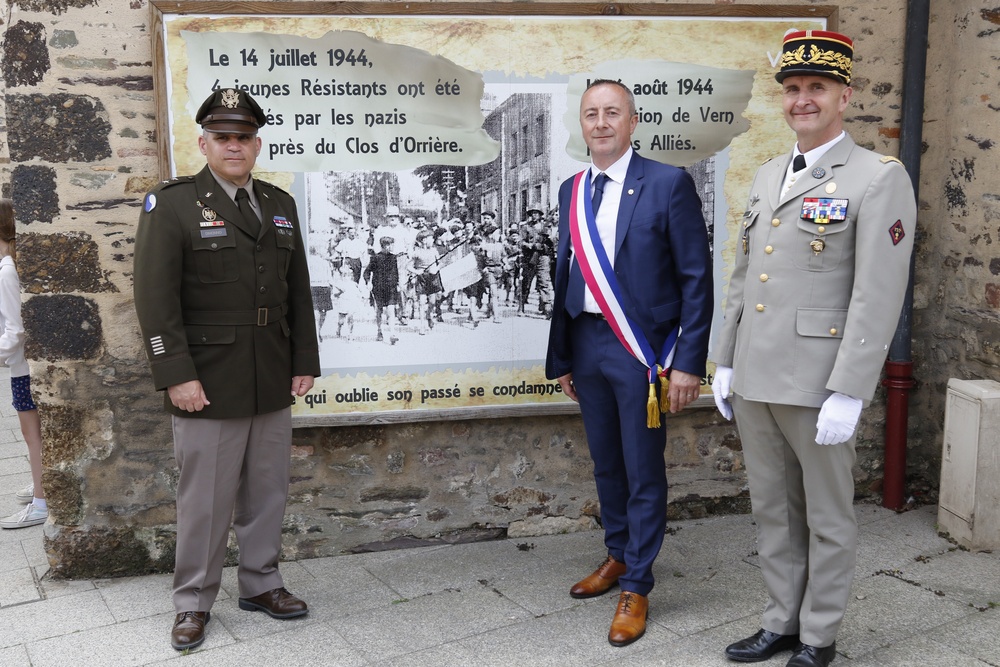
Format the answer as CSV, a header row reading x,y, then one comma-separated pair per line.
x,y
817,53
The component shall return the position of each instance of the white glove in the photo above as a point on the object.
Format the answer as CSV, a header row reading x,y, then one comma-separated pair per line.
x,y
721,388
837,419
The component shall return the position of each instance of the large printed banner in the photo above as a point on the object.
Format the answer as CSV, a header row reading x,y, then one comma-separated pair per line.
x,y
425,153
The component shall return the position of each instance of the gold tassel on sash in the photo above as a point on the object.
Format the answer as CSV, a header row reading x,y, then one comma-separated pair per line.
x,y
652,408
664,390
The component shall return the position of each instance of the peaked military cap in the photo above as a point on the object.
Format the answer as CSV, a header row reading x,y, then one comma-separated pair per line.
x,y
816,53
230,110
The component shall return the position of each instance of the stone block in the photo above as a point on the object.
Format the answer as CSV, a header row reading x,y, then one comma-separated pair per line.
x,y
33,189
57,128
25,55
62,326
61,263
96,552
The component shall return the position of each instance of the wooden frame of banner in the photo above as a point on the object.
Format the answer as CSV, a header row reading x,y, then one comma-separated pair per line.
x,y
161,8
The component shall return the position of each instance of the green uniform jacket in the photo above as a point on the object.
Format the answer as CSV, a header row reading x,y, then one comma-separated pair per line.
x,y
812,305
218,305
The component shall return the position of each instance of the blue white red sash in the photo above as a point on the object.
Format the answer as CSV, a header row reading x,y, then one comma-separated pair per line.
x,y
600,277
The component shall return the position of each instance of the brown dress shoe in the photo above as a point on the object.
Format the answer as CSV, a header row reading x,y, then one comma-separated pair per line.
x,y
189,629
276,603
600,581
629,622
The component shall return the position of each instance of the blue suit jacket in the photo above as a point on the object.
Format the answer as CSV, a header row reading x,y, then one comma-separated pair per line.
x,y
662,263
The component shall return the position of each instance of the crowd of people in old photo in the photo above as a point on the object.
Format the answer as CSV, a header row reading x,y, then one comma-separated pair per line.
x,y
407,273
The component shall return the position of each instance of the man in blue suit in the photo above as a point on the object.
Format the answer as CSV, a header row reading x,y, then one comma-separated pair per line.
x,y
651,275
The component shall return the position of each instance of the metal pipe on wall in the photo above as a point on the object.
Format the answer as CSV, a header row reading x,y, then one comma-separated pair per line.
x,y
899,366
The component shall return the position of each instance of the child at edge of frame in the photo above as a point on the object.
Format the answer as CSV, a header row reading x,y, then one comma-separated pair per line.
x,y
12,354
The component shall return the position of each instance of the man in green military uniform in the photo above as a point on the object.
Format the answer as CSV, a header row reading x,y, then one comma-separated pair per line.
x,y
222,295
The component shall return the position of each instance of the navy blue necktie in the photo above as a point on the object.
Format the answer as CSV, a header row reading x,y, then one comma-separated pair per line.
x,y
575,289
799,163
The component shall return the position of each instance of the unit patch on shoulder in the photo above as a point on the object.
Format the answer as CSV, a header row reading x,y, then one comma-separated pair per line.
x,y
896,232
150,203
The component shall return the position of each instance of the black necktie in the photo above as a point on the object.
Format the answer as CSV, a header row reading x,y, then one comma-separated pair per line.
x,y
243,203
599,182
799,163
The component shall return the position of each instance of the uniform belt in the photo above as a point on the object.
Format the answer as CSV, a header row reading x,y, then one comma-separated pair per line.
x,y
260,317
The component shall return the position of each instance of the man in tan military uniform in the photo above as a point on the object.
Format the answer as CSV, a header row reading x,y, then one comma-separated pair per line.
x,y
222,294
815,295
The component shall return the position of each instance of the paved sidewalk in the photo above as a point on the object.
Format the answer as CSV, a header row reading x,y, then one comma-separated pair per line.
x,y
918,600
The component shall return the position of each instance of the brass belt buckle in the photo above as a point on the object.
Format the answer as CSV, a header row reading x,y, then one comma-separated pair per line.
x,y
262,317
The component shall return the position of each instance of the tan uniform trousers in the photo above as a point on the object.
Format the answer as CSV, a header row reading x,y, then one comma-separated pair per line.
x,y
224,464
803,503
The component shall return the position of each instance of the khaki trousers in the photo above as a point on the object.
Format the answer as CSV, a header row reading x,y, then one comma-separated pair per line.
x,y
228,464
803,503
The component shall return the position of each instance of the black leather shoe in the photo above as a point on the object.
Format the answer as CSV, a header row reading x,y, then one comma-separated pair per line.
x,y
813,656
189,629
761,646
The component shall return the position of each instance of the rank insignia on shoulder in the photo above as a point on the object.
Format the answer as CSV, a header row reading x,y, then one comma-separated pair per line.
x,y
281,221
885,159
150,203
823,210
896,232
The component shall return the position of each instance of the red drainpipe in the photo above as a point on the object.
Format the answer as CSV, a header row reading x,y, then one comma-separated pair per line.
x,y
898,383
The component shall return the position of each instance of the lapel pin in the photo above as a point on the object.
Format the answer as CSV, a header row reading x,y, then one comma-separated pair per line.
x,y
631,191
818,172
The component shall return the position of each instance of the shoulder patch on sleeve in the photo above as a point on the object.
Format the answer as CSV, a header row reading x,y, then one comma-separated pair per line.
x,y
885,159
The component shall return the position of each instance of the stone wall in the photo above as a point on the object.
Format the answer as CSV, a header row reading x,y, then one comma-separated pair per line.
x,y
78,150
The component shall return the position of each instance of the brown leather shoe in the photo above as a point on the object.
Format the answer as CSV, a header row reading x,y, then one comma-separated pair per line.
x,y
189,629
602,580
277,603
629,622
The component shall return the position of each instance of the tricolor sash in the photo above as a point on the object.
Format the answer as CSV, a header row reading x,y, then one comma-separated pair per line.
x,y
599,275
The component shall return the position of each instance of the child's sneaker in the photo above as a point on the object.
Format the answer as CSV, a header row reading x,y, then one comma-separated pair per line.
x,y
29,516
26,494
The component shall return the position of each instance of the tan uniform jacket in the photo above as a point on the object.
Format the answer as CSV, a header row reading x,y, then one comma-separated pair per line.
x,y
222,306
801,324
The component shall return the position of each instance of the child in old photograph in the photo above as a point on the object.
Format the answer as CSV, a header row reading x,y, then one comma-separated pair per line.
x,y
383,276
